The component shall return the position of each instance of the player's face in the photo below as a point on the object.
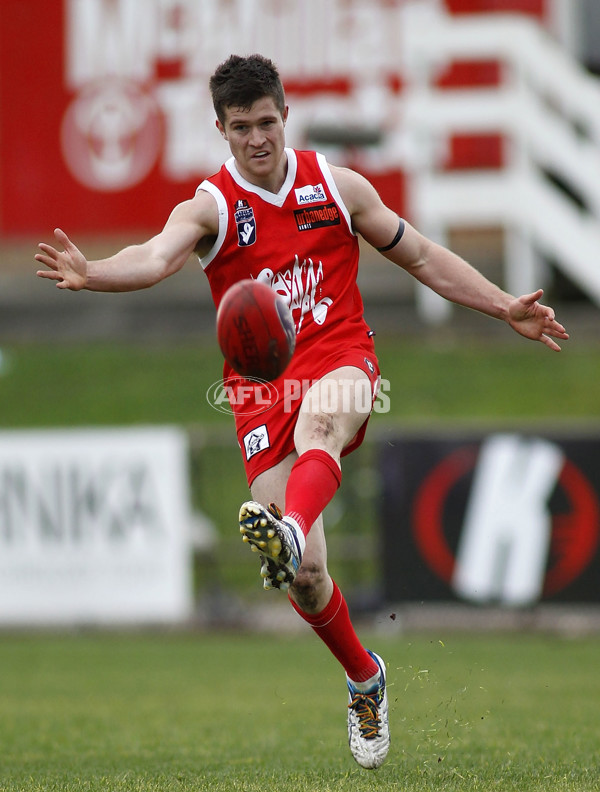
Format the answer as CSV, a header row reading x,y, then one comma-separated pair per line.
x,y
256,138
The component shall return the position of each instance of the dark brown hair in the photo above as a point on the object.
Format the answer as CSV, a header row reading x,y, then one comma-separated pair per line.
x,y
238,82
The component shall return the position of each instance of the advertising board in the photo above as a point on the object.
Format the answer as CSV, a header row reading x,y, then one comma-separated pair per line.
x,y
502,518
94,526
106,120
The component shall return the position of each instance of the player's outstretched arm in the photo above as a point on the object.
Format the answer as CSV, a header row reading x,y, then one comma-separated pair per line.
x,y
455,279
136,266
439,268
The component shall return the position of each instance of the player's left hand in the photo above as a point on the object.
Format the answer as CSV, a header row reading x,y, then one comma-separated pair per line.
x,y
533,320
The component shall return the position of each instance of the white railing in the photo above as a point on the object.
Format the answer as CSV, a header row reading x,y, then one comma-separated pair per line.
x,y
547,108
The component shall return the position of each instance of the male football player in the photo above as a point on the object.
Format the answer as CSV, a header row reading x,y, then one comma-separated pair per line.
x,y
290,219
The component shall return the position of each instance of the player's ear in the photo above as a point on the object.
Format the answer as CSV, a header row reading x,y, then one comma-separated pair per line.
x,y
286,111
221,128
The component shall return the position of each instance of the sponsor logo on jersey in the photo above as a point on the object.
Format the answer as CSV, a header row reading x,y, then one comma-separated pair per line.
x,y
310,194
246,223
317,217
256,440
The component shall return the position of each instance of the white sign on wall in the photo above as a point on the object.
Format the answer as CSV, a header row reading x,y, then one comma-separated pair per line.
x,y
112,134
94,526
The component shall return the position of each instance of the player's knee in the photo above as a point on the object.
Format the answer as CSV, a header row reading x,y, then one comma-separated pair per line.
x,y
308,587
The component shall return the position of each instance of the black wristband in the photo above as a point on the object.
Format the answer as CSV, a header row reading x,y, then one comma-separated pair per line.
x,y
396,239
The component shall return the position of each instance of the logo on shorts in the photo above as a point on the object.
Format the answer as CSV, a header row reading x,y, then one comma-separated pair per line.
x,y
310,193
256,440
245,222
317,217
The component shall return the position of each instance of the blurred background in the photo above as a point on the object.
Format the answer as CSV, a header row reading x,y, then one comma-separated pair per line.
x,y
120,478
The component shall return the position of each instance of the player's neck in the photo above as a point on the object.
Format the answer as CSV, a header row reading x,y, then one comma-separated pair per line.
x,y
271,180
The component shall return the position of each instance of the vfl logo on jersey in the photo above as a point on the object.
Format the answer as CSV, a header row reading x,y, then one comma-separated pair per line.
x,y
311,193
256,440
317,217
245,222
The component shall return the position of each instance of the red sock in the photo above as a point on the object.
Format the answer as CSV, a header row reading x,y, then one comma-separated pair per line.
x,y
314,480
334,628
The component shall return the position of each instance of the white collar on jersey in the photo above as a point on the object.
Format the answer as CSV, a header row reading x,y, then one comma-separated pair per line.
x,y
277,199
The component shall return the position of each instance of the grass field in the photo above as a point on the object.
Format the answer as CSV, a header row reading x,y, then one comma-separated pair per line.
x,y
125,713
460,378
120,712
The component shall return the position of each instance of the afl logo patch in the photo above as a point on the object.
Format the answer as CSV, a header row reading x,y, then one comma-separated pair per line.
x,y
245,223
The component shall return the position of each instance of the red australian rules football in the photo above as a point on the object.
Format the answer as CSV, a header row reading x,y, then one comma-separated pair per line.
x,y
255,330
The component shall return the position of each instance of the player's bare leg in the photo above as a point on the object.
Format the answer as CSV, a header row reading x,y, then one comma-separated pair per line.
x,y
333,410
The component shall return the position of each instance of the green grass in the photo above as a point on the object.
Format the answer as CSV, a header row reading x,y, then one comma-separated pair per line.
x,y
100,384
490,380
173,711
122,713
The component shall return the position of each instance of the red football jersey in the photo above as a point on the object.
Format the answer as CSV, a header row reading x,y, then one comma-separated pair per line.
x,y
299,241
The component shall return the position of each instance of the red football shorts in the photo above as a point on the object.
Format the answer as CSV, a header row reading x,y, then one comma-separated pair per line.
x,y
266,414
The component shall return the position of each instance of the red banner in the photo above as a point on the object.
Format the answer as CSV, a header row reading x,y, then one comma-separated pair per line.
x,y
105,116
106,121
61,160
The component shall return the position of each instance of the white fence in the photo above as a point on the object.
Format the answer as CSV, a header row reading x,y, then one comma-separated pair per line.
x,y
547,108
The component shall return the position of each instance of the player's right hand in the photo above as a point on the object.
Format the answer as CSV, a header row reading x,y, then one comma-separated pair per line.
x,y
67,267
